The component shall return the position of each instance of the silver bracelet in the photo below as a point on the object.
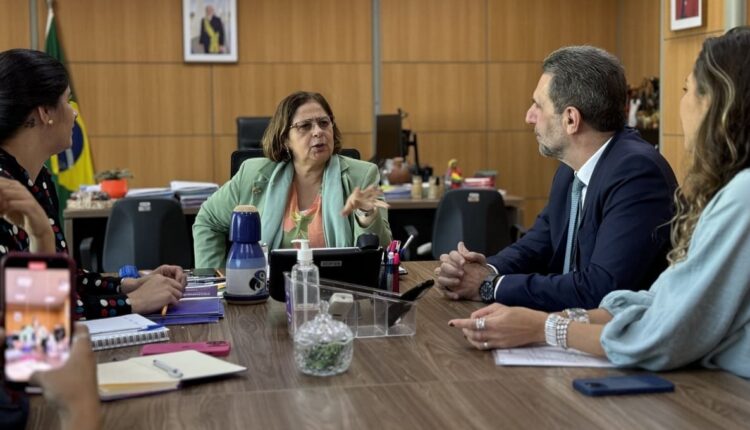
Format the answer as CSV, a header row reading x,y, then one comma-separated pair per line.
x,y
561,332
549,329
578,315
556,330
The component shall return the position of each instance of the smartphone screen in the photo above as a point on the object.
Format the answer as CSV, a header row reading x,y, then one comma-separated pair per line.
x,y
36,313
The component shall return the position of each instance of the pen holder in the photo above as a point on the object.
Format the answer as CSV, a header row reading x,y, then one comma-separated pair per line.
x,y
389,280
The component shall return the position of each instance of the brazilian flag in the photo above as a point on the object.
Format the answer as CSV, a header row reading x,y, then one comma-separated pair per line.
x,y
72,167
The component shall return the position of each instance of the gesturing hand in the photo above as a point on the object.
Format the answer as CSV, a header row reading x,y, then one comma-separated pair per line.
x,y
366,200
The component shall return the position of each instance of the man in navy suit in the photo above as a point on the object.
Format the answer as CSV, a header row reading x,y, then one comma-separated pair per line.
x,y
621,188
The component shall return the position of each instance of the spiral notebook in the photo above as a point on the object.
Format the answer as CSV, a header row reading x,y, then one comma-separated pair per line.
x,y
125,330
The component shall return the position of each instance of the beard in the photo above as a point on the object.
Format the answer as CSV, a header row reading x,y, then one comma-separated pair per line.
x,y
551,152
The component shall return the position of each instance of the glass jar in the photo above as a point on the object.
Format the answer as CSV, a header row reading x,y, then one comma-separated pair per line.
x,y
323,346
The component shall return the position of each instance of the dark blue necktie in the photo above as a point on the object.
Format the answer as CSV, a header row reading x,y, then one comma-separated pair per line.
x,y
575,211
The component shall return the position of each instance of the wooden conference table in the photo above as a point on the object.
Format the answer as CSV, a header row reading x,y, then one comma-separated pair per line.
x,y
432,380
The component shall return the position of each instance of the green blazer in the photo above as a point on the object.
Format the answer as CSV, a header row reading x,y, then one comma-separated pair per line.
x,y
265,184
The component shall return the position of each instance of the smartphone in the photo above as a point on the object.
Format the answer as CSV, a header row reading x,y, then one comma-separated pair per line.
x,y
217,348
396,310
36,306
615,385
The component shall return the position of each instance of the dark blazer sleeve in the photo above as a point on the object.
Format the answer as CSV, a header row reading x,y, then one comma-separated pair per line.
x,y
535,251
622,240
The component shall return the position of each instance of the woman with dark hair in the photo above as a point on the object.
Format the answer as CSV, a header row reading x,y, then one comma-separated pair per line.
x,y
36,122
303,188
699,308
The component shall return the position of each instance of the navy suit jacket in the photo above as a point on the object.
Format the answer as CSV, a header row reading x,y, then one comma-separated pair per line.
x,y
622,240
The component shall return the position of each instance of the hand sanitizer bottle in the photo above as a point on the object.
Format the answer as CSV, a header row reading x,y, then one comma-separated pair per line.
x,y
305,289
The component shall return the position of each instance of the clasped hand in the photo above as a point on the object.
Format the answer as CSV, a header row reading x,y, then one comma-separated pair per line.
x,y
461,272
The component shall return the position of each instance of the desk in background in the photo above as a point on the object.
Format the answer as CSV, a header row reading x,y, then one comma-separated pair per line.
x,y
432,380
82,223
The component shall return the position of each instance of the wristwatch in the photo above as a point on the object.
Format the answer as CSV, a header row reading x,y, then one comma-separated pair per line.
x,y
362,213
487,288
578,315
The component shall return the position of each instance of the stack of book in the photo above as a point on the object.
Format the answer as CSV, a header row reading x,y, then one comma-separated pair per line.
x,y
193,194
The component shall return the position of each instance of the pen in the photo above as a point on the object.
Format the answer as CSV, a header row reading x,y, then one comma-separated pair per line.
x,y
407,243
151,327
164,310
171,371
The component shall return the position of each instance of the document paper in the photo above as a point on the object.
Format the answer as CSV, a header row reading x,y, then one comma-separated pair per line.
x,y
550,356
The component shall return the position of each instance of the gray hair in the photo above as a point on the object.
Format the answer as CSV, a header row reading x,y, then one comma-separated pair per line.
x,y
593,81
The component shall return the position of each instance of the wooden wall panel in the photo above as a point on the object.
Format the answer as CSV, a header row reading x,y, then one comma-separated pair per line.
x,y
256,90
143,99
510,89
438,97
529,30
222,155
14,25
433,30
361,142
120,31
523,171
469,148
639,39
155,161
280,31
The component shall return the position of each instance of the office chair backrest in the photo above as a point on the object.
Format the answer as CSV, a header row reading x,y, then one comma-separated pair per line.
x,y
250,130
240,155
472,215
146,232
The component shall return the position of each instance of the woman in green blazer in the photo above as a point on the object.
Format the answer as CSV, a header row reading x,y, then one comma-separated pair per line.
x,y
302,181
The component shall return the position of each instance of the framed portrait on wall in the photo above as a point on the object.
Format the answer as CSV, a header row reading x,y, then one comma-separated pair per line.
x,y
686,14
209,29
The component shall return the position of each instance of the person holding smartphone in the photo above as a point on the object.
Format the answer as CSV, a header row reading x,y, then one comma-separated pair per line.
x,y
699,307
71,389
36,122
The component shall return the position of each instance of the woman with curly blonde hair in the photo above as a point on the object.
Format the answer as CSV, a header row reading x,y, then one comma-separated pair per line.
x,y
698,310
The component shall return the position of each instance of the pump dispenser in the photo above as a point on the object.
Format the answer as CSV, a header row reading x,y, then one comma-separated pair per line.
x,y
305,290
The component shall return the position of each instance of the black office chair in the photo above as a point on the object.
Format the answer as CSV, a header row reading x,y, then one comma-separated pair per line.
x,y
472,215
250,131
145,232
240,155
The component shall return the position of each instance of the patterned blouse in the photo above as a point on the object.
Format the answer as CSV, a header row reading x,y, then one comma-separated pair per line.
x,y
96,296
305,224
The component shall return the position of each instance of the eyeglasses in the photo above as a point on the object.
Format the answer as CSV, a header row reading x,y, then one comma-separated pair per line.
x,y
306,126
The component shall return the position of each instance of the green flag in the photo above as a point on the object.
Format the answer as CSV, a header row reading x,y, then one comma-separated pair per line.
x,y
73,167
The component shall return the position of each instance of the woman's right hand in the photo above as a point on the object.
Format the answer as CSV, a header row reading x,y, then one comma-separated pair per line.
x,y
20,208
155,292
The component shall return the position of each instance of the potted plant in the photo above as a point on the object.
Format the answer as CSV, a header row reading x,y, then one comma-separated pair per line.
x,y
114,182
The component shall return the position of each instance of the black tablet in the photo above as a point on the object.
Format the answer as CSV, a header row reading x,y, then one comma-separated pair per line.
x,y
352,265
